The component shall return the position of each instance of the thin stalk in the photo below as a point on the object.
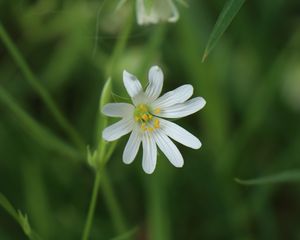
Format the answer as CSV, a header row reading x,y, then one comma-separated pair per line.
x,y
113,206
92,207
108,194
158,214
40,90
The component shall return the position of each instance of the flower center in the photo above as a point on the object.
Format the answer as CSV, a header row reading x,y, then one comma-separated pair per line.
x,y
143,116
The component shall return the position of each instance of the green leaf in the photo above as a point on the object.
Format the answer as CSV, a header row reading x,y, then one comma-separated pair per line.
x,y
92,157
40,133
229,11
24,223
38,87
21,218
289,176
8,207
105,94
104,99
126,235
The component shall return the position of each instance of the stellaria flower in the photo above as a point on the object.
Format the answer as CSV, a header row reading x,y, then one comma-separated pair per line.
x,y
153,11
144,119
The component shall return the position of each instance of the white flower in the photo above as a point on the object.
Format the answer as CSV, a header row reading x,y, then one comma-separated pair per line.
x,y
144,119
153,11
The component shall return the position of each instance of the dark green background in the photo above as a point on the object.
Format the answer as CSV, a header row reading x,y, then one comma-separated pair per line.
x,y
249,127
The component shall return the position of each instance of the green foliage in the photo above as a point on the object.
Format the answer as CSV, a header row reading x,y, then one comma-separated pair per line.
x,y
29,76
42,135
283,177
19,217
55,61
127,235
229,11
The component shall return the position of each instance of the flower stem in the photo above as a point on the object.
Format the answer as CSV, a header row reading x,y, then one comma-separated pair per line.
x,y
92,207
108,192
113,206
38,87
158,214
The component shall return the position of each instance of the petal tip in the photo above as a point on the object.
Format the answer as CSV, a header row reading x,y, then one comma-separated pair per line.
x,y
200,101
104,110
190,88
105,136
125,74
198,145
179,165
126,161
204,101
155,67
148,171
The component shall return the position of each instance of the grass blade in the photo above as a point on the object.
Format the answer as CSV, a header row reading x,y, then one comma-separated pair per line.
x,y
39,88
229,11
127,235
8,207
19,217
288,176
41,134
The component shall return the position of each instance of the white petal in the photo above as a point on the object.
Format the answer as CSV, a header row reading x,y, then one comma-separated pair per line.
x,y
139,11
175,14
179,134
146,16
132,147
178,95
118,110
149,153
160,10
118,129
183,109
156,79
132,84
168,148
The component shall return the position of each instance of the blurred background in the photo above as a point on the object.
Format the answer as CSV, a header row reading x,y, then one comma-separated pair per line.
x,y
249,127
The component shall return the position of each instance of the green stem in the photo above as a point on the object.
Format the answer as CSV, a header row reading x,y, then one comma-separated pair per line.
x,y
108,193
41,91
112,203
158,215
92,207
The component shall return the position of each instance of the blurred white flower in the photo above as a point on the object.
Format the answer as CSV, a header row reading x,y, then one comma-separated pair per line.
x,y
144,119
153,11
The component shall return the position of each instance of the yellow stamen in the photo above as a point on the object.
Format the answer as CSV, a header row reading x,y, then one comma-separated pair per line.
x,y
156,110
143,108
145,117
156,123
143,127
